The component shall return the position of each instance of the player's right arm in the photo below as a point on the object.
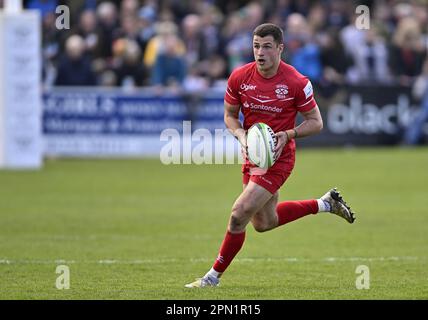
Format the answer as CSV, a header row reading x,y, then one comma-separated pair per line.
x,y
231,120
232,105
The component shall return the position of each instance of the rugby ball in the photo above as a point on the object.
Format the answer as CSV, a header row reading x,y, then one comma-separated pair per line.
x,y
261,143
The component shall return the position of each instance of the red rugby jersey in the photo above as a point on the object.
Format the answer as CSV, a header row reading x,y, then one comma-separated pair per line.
x,y
274,101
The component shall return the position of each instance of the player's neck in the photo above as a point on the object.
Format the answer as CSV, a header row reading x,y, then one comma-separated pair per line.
x,y
269,73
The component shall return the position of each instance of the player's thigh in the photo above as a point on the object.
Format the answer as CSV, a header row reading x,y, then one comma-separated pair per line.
x,y
251,200
269,209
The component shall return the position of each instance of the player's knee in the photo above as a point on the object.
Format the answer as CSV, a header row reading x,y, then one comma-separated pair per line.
x,y
241,215
236,224
241,209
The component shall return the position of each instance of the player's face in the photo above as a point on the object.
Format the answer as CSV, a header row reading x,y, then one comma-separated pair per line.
x,y
267,54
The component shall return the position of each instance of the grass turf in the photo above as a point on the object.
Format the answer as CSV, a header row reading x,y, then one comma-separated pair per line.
x,y
136,229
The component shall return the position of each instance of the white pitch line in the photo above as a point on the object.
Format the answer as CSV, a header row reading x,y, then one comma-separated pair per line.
x,y
199,260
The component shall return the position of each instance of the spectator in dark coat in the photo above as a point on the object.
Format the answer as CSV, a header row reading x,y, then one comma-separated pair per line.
x,y
130,71
407,52
74,68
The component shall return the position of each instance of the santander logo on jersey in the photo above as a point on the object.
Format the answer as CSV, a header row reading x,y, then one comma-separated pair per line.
x,y
262,107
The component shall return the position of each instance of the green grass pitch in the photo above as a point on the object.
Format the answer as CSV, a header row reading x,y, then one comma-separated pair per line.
x,y
137,229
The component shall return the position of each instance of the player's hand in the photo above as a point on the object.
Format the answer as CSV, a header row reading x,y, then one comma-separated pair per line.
x,y
241,135
281,141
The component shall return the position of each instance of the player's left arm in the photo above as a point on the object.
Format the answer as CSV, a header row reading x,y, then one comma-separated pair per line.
x,y
312,124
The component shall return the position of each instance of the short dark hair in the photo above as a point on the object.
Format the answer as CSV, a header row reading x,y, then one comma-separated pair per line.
x,y
270,29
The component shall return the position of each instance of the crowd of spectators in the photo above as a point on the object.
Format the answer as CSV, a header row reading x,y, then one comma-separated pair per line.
x,y
194,44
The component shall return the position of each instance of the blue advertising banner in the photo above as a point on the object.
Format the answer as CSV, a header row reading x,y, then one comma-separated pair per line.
x,y
105,122
99,122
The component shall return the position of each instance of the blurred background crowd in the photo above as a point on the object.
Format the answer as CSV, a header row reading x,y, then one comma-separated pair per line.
x,y
193,45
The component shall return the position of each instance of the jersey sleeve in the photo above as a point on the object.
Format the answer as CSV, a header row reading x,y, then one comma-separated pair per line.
x,y
305,100
232,96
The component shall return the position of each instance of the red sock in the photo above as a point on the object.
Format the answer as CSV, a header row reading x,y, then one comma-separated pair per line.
x,y
231,245
292,210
